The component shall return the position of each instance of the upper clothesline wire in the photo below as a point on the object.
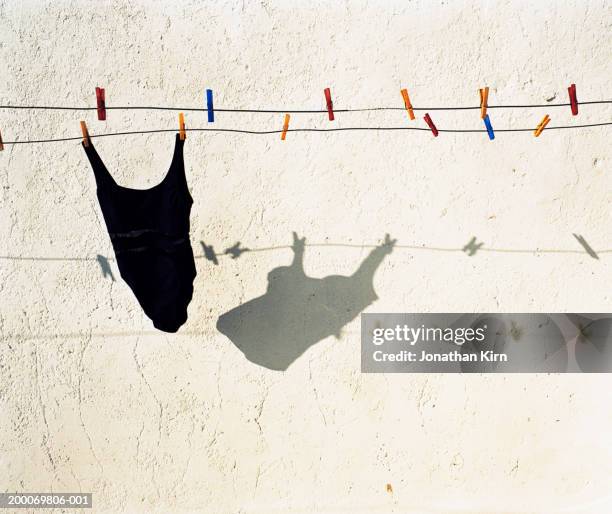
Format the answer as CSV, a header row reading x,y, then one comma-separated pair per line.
x,y
295,111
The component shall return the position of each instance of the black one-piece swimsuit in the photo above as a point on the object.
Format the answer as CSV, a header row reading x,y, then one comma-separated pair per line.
x,y
149,231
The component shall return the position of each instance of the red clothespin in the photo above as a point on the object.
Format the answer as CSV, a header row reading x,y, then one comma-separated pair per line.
x,y
484,100
182,133
85,133
433,128
330,105
285,127
100,99
573,100
407,103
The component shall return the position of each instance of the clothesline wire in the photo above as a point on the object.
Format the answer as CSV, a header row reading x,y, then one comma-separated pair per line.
x,y
267,132
297,111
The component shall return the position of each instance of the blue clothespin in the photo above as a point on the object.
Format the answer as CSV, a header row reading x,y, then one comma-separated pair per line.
x,y
487,123
209,106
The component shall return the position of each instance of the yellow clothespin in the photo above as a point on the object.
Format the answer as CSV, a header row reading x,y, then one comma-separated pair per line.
x,y
182,133
541,125
85,134
407,103
285,127
484,99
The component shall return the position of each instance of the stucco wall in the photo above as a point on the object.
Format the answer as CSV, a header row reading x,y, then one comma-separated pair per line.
x,y
93,399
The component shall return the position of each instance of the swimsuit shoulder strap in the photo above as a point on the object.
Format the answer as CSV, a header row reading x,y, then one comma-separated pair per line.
x,y
103,177
177,167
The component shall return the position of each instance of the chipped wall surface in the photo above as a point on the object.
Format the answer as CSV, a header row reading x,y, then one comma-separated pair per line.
x,y
92,398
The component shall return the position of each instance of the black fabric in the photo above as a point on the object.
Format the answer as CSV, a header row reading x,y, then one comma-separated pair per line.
x,y
149,231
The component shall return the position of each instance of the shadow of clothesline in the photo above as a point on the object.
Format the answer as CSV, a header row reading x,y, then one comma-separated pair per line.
x,y
88,335
236,251
6,338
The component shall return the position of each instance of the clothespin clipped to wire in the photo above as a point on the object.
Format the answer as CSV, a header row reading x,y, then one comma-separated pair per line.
x,y
1,144
541,125
429,122
330,104
489,127
101,101
407,103
484,101
85,134
285,127
573,100
209,105
182,133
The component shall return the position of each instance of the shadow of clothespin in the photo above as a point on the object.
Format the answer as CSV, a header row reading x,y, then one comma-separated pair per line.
x,y
586,246
471,248
235,251
209,253
105,266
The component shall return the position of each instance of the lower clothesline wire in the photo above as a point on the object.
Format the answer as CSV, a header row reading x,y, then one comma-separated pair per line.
x,y
280,131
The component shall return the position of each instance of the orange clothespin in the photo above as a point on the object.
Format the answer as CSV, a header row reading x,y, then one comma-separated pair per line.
x,y
85,133
407,103
285,127
541,125
484,99
182,133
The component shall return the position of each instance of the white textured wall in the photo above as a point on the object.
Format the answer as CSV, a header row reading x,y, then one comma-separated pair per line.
x,y
93,399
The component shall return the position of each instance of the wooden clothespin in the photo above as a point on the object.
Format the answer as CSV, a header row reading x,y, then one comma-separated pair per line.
x,y
489,127
1,144
85,134
182,133
407,103
285,127
209,105
330,105
541,125
484,100
573,100
101,101
433,128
